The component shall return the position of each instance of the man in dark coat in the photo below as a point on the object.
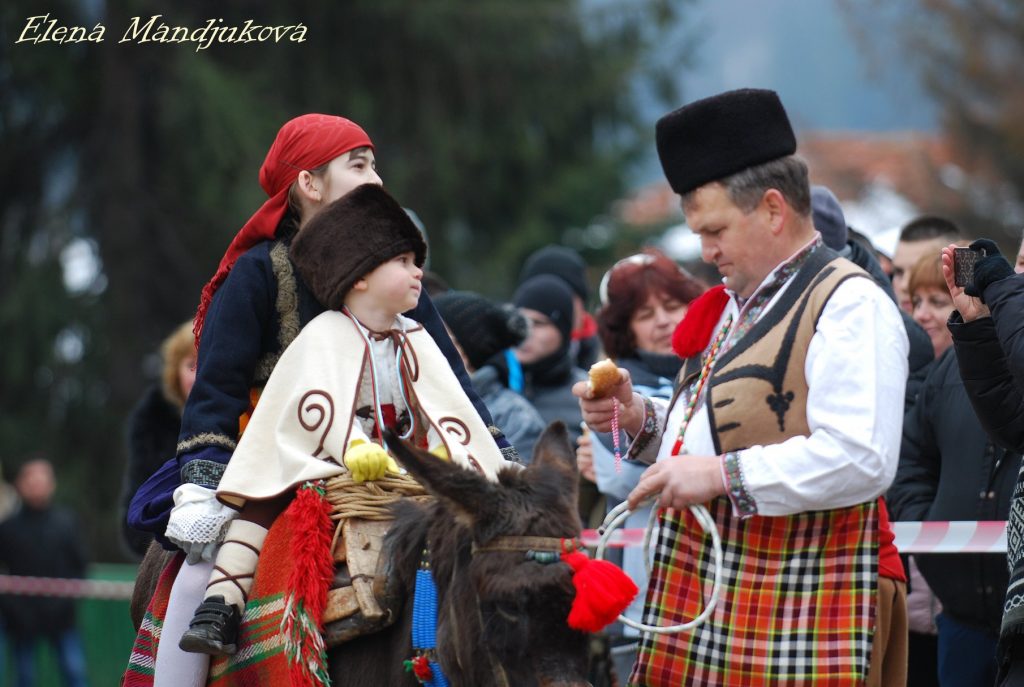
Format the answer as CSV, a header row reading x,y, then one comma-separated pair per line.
x,y
41,540
549,372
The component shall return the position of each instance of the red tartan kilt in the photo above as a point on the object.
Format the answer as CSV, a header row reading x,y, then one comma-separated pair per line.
x,y
796,606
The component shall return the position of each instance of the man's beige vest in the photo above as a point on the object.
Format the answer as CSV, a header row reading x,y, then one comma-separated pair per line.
x,y
757,394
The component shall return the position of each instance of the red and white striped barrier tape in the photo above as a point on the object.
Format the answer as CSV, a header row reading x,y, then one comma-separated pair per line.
x,y
70,588
961,536
986,536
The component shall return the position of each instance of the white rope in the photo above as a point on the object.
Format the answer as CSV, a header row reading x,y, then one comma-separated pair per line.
x,y
618,515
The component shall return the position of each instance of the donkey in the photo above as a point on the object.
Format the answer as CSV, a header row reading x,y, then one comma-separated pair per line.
x,y
502,608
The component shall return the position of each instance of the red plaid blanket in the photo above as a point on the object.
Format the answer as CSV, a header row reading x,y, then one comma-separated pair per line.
x,y
796,605
143,658
279,638
280,641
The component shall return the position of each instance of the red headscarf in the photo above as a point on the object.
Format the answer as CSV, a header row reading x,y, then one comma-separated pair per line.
x,y
304,143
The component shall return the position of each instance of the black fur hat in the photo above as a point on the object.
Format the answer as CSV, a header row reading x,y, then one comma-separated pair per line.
x,y
710,139
350,238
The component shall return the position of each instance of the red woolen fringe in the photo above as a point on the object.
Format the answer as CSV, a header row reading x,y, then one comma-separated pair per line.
x,y
693,334
603,592
312,571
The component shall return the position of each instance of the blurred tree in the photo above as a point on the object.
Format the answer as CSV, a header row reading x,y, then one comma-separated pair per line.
x,y
968,53
52,389
502,124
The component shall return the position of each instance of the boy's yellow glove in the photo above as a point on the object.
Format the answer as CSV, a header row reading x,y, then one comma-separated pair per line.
x,y
367,461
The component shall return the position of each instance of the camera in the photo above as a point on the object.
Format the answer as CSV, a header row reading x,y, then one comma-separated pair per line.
x,y
963,265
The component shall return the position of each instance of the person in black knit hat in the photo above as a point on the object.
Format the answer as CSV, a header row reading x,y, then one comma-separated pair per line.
x,y
568,265
482,332
548,368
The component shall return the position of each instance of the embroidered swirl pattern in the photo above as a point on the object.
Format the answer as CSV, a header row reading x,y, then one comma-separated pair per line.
x,y
312,402
455,427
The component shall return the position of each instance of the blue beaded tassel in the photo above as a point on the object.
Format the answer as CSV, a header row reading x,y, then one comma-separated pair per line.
x,y
424,625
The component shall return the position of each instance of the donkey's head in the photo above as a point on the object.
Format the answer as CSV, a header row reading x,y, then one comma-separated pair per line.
x,y
523,592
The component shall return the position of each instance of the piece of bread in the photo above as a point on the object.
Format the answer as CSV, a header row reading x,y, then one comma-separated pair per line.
x,y
604,376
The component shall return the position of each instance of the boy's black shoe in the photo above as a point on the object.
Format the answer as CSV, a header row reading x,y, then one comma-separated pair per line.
x,y
213,629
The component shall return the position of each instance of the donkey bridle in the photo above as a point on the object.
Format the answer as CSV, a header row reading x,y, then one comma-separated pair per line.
x,y
543,550
540,549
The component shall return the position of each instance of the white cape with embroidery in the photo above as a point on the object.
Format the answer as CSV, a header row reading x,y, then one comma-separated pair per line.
x,y
305,415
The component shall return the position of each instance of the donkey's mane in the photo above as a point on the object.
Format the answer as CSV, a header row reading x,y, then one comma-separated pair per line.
x,y
407,537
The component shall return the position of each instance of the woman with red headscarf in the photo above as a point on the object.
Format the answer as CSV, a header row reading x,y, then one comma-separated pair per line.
x,y
250,311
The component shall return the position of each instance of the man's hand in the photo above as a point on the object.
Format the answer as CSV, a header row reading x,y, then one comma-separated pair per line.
x,y
970,308
585,456
597,412
681,480
368,461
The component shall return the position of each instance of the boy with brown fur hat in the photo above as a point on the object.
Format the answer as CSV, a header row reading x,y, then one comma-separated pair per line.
x,y
355,369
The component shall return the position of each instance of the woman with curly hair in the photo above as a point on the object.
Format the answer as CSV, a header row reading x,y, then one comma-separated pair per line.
x,y
643,299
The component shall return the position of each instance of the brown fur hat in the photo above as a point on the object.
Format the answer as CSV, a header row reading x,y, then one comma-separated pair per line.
x,y
350,238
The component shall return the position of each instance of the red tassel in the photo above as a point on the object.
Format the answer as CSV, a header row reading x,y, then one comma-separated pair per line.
x,y
693,334
312,571
313,565
421,669
603,592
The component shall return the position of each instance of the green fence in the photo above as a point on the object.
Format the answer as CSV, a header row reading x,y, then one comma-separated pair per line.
x,y
106,631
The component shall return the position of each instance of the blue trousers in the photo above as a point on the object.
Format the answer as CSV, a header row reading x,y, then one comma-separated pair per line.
x,y
967,655
70,658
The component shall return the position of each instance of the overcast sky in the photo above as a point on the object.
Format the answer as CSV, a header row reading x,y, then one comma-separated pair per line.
x,y
804,50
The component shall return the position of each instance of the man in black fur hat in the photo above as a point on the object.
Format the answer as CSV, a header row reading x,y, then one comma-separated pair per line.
x,y
786,422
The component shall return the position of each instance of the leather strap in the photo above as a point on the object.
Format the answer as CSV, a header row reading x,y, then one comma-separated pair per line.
x,y
522,544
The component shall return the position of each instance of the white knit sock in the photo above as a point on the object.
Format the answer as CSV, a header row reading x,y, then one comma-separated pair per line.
x,y
236,562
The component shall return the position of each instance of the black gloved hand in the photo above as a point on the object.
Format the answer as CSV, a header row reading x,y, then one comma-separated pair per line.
x,y
988,269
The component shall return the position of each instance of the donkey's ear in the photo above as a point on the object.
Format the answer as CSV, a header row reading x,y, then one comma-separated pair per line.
x,y
469,494
555,449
